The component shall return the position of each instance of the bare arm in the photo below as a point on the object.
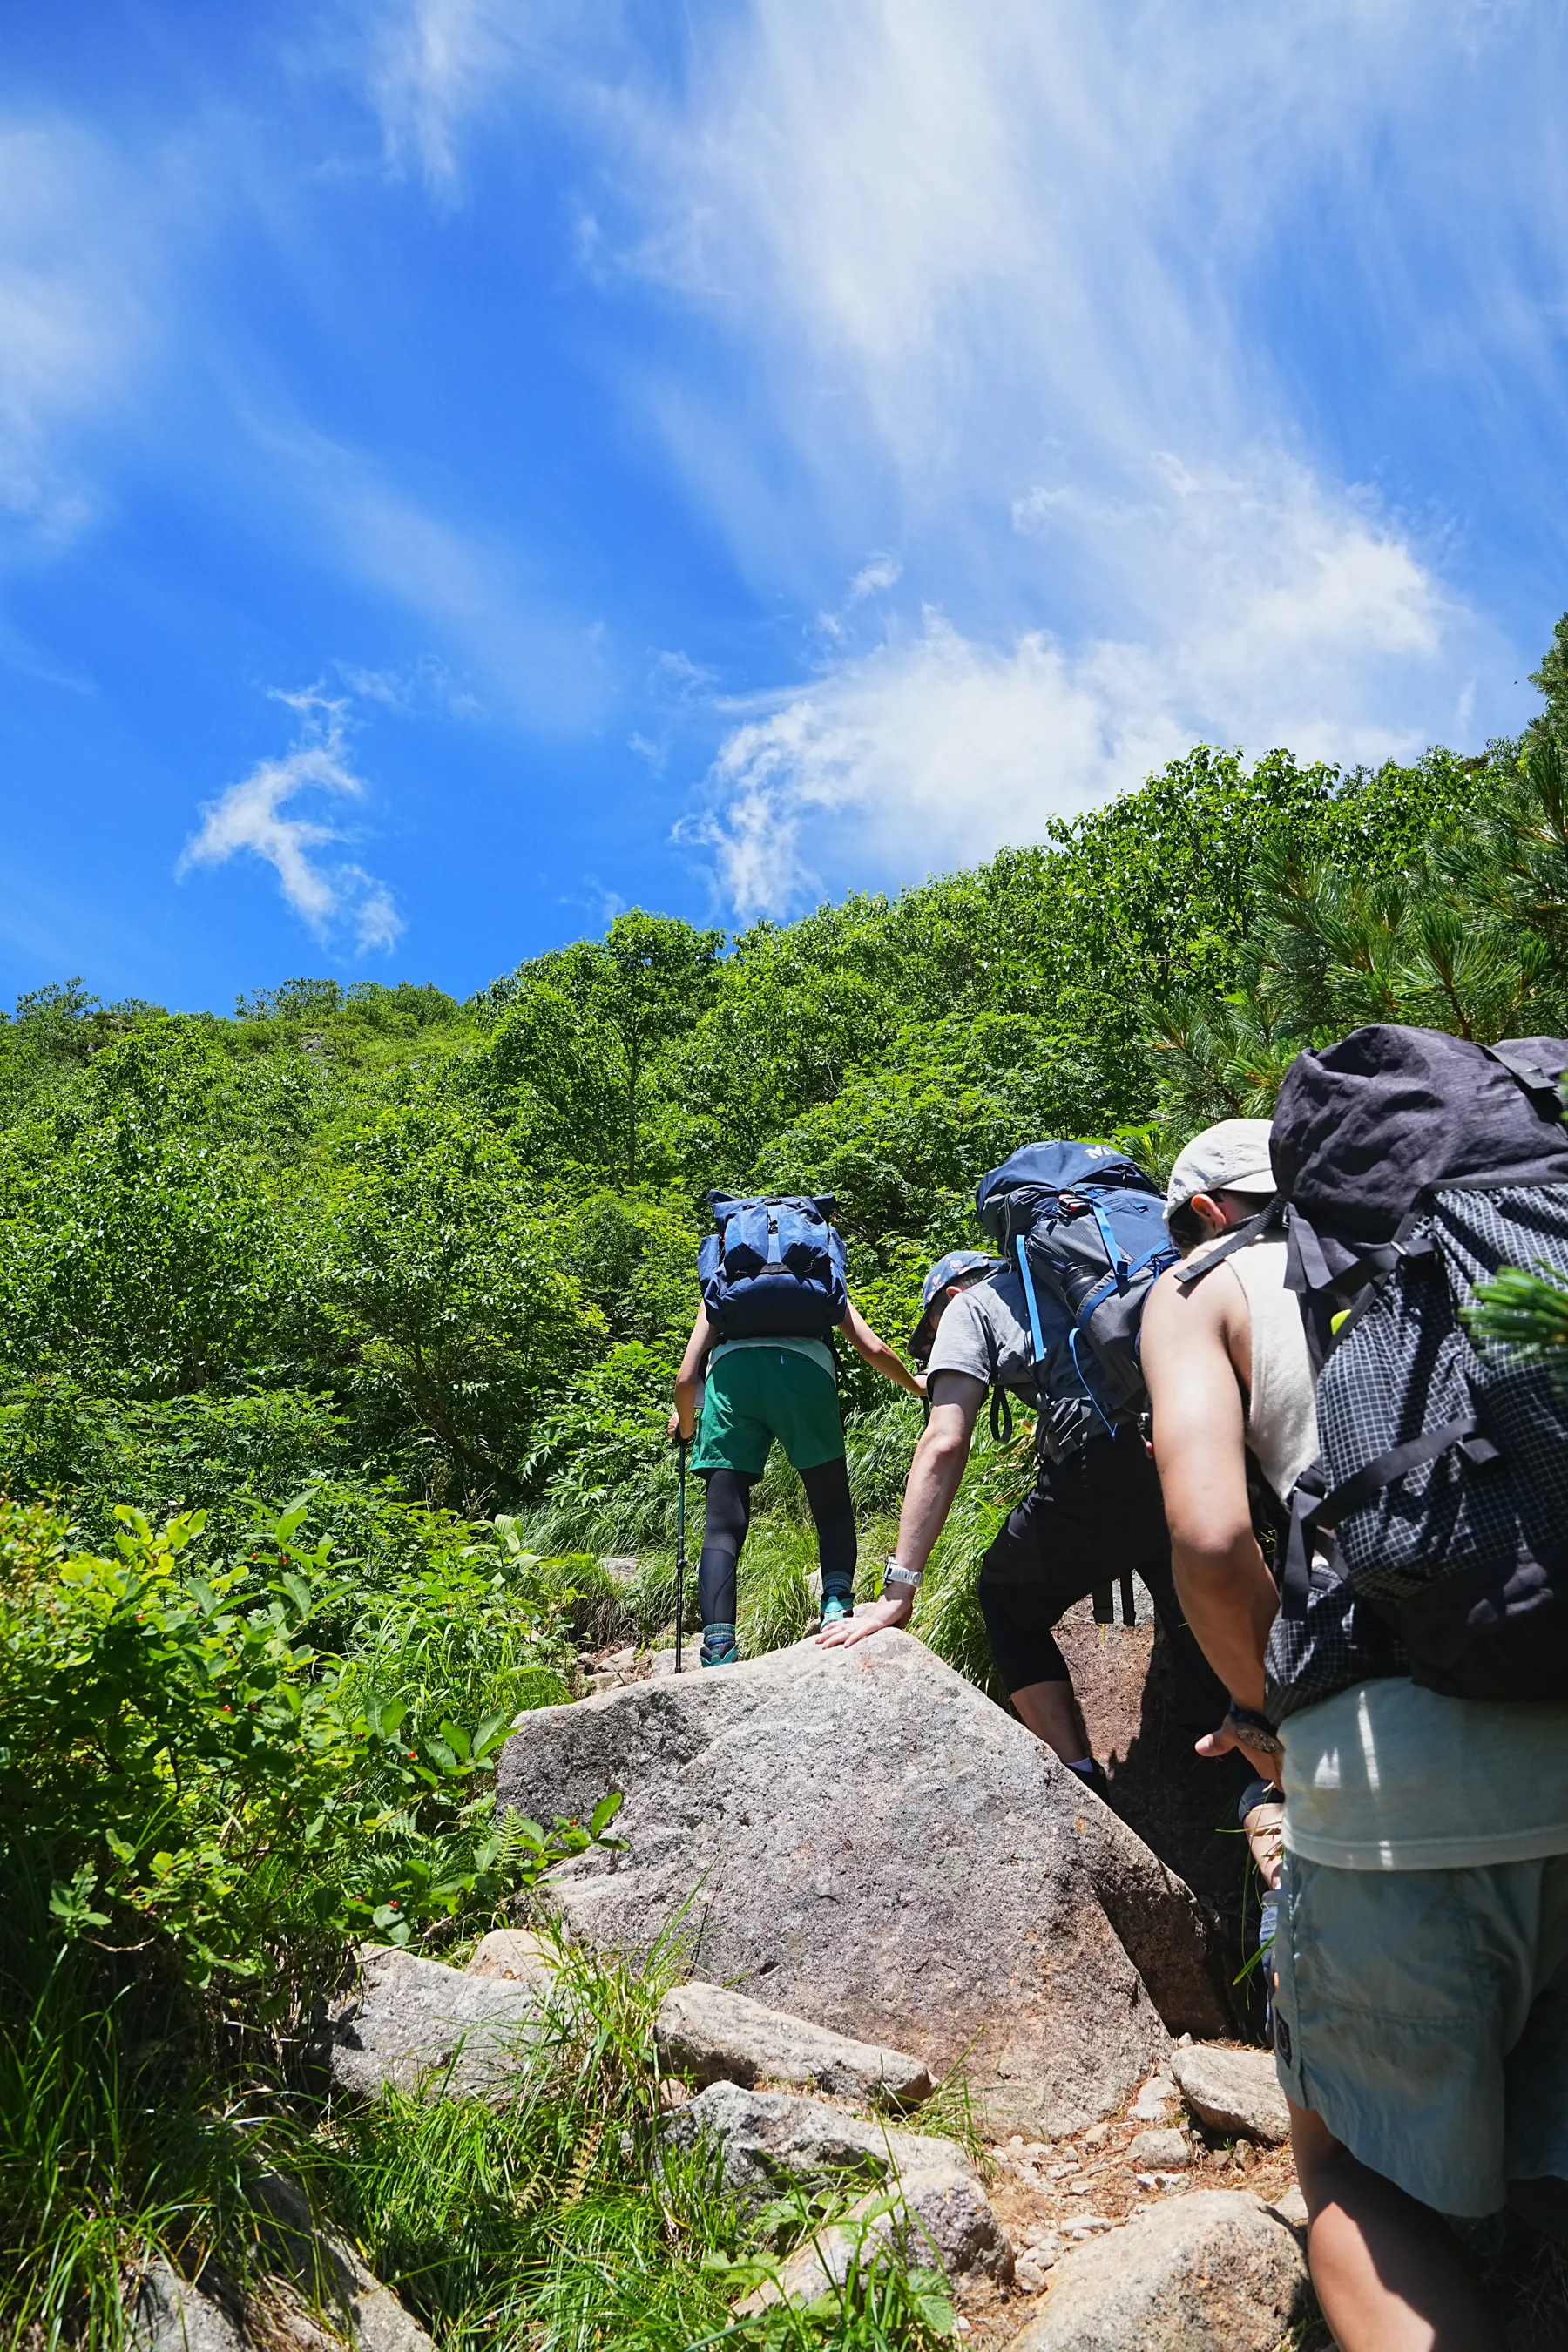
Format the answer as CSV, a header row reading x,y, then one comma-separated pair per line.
x,y
1192,1343
683,1419
934,1477
877,1352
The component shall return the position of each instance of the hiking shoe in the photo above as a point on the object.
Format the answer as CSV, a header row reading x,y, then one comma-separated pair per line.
x,y
719,1646
1094,1779
834,1612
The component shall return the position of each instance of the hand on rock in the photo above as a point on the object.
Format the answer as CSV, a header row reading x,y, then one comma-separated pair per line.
x,y
863,1625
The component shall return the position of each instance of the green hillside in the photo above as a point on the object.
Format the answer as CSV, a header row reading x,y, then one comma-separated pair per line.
x,y
336,1343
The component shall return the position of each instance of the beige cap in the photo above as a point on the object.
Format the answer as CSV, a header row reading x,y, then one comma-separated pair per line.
x,y
1230,1158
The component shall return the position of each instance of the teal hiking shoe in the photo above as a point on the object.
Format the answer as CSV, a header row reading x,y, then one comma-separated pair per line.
x,y
835,1611
719,1646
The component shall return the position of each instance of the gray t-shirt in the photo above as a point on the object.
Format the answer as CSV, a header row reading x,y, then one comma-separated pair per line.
x,y
985,1333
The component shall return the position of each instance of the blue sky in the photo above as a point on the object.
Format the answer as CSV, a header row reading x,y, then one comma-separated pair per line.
x,y
467,466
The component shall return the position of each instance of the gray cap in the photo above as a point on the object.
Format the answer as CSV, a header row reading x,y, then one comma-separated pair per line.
x,y
943,1273
1230,1158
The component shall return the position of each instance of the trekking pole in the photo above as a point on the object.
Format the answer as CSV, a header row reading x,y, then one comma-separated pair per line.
x,y
680,1554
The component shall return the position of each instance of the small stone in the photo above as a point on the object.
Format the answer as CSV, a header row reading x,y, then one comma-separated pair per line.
x,y
1154,2100
1291,2207
717,2035
942,2212
515,1955
1234,2092
1097,2135
1160,2151
660,1664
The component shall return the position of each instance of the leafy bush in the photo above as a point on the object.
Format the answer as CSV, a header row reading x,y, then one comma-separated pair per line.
x,y
189,1775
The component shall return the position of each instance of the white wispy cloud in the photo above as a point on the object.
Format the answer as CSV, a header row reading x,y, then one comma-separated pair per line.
x,y
339,901
995,289
75,270
434,68
413,689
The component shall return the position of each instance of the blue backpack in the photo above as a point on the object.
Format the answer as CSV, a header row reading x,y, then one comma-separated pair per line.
x,y
1086,1229
774,1268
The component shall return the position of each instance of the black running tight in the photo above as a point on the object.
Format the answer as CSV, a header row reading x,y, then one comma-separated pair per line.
x,y
729,1515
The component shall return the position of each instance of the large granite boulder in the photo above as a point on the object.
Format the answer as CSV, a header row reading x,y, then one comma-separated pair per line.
x,y
863,1839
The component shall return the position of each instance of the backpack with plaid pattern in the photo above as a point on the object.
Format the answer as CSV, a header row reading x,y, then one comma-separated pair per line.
x,y
1412,1165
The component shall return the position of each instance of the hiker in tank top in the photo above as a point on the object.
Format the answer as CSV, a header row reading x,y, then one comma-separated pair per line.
x,y
1421,1960
1224,1177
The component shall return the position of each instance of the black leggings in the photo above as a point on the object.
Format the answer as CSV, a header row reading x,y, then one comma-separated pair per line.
x,y
1086,1521
826,1488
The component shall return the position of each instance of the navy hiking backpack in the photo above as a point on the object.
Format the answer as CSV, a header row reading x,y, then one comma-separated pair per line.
x,y
1086,1229
774,1269
1412,1165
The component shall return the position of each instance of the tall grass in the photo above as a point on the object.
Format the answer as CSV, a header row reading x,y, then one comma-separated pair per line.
x,y
114,2141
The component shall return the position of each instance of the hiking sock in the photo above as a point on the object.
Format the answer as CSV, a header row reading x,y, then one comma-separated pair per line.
x,y
719,1646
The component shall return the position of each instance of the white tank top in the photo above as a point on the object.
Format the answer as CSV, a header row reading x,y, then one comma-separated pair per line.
x,y
1282,1403
1282,1407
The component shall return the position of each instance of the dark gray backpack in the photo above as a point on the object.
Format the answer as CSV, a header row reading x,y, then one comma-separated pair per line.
x,y
1412,1165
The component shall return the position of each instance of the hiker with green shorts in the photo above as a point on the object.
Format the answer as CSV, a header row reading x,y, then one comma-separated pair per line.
x,y
759,1365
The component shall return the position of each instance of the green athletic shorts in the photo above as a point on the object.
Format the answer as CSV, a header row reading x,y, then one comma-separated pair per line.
x,y
755,1394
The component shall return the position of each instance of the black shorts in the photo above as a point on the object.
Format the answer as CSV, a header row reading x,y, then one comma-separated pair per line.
x,y
1085,1521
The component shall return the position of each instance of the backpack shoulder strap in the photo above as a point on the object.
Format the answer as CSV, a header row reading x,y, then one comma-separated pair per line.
x,y
1255,1229
1001,1402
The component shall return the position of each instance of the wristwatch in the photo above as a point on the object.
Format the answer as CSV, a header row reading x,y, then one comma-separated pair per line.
x,y
904,1579
1254,1730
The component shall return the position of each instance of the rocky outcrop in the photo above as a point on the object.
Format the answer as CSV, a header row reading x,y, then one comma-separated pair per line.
x,y
863,1839
1234,2093
416,2024
719,2036
770,2142
1213,2272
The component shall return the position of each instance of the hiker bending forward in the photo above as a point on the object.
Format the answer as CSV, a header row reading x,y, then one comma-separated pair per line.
x,y
1094,1511
757,1389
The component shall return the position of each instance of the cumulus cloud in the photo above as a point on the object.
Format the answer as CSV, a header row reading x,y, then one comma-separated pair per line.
x,y
1288,620
339,901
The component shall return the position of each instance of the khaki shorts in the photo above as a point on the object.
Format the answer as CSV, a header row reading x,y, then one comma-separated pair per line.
x,y
1424,2015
